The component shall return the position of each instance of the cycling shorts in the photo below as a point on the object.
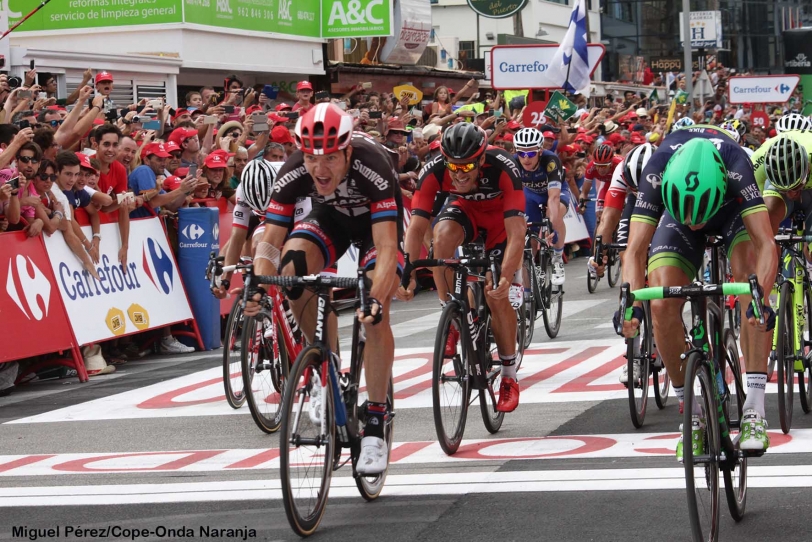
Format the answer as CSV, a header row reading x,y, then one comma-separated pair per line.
x,y
333,232
791,206
476,221
534,201
625,217
677,245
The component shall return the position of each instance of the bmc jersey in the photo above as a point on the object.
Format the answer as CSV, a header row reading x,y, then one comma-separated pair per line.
x,y
592,175
804,137
546,175
369,187
499,186
742,195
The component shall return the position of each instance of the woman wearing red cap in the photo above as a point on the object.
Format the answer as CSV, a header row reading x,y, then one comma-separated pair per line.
x,y
304,92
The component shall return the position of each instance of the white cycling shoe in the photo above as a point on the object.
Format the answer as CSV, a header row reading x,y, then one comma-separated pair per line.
x,y
624,373
374,456
558,272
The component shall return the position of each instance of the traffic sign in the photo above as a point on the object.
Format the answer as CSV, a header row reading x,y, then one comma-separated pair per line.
x,y
761,89
534,114
760,119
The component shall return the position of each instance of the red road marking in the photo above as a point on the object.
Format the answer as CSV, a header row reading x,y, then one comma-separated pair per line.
x,y
255,460
23,461
406,449
561,366
167,400
582,383
80,465
590,444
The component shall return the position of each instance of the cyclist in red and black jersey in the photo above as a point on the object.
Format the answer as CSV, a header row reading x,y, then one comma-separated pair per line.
x,y
600,168
486,195
356,198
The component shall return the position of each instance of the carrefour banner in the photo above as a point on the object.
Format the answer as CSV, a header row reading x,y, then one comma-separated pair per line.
x,y
147,294
304,18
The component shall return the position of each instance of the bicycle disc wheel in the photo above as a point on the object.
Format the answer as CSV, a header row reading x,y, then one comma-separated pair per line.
x,y
701,472
638,353
232,359
805,377
307,443
785,355
450,388
614,269
487,398
554,305
734,470
265,368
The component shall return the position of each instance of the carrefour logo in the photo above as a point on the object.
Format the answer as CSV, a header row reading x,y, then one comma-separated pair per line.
x,y
25,278
80,285
193,232
782,88
216,233
532,67
158,266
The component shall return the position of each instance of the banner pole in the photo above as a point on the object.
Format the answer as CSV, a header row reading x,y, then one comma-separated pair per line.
x,y
21,21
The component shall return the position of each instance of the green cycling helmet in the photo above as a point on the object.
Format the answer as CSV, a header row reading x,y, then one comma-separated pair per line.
x,y
694,182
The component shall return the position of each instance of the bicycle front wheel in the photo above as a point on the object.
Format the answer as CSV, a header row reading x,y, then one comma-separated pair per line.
x,y
591,282
785,355
805,376
450,387
528,311
265,368
614,269
232,359
638,356
488,397
701,470
734,470
307,442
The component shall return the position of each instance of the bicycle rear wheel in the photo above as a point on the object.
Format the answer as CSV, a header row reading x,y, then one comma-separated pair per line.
x,y
529,309
701,472
488,397
805,377
553,300
614,268
785,355
307,443
734,470
638,353
265,367
232,359
591,282
356,397
450,387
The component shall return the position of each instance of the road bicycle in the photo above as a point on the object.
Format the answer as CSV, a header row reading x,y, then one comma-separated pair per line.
x,y
473,366
612,252
791,340
540,294
713,378
324,409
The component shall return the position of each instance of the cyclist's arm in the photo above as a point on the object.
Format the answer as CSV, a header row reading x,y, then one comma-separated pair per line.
x,y
235,244
634,264
422,202
609,221
414,236
761,234
385,237
275,236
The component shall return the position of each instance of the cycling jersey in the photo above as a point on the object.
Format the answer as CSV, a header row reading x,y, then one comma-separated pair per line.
x,y
548,173
618,189
592,175
804,137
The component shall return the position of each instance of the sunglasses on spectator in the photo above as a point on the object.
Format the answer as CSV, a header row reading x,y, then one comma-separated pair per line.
x,y
527,154
461,168
55,123
46,177
28,160
176,154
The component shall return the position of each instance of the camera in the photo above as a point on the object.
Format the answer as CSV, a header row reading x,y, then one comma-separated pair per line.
x,y
15,82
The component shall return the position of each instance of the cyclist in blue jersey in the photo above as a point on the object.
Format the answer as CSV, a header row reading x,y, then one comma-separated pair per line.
x,y
543,180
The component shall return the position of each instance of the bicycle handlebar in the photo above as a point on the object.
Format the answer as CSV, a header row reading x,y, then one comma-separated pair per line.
x,y
410,266
787,239
307,281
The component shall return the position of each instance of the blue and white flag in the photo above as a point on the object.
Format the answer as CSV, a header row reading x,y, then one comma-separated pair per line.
x,y
569,68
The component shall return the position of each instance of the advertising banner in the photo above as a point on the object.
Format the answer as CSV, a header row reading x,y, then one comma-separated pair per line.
x,y
93,14
356,18
299,18
761,89
706,29
525,66
30,308
497,9
148,295
411,35
798,59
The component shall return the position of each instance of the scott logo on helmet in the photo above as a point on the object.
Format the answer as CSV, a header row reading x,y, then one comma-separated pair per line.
x,y
692,180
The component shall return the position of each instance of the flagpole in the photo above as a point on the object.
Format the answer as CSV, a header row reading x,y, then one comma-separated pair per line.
x,y
686,36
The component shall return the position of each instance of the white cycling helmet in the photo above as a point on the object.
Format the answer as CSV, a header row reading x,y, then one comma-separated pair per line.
x,y
634,163
257,180
793,121
730,128
786,164
684,122
528,138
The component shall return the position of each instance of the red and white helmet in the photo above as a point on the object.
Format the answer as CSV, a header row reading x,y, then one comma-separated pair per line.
x,y
323,130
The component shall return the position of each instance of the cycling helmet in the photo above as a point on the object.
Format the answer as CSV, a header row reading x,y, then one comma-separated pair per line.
x,y
731,130
735,125
464,141
793,121
528,138
786,164
323,130
694,182
603,154
257,180
684,122
634,163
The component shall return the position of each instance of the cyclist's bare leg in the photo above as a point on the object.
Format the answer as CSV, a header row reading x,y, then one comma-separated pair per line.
x,y
755,344
666,316
559,226
379,352
304,308
503,324
448,235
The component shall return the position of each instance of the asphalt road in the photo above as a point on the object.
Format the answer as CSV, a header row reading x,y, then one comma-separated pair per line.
x,y
155,447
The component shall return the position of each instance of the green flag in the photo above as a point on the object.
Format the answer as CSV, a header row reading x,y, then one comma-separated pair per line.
x,y
681,97
654,96
560,107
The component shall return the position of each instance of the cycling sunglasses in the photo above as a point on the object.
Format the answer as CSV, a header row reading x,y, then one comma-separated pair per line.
x,y
46,177
28,160
461,168
527,154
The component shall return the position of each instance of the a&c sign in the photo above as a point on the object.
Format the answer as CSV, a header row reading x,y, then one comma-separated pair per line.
x,y
356,18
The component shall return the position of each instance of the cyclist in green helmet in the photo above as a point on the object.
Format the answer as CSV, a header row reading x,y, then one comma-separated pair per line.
x,y
700,182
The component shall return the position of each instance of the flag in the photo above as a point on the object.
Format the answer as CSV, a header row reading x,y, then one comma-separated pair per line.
x,y
569,68
560,107
654,96
681,98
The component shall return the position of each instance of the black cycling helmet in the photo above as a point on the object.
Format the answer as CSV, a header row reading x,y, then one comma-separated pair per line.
x,y
464,141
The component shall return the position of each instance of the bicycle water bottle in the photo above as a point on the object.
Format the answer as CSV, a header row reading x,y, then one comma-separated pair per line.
x,y
720,381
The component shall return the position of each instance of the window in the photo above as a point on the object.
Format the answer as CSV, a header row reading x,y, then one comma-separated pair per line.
x,y
565,2
467,50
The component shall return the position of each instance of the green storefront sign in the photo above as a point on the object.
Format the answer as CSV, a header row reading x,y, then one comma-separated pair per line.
x,y
497,9
305,18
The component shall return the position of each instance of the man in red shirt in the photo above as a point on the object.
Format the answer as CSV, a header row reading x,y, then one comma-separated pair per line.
x,y
113,181
304,91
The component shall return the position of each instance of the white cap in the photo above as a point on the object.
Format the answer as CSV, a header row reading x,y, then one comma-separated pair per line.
x,y
642,112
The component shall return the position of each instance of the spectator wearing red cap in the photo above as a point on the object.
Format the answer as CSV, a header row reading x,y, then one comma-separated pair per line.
x,y
550,143
281,135
173,162
214,171
89,179
181,115
189,142
144,183
113,181
304,92
104,83
396,132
